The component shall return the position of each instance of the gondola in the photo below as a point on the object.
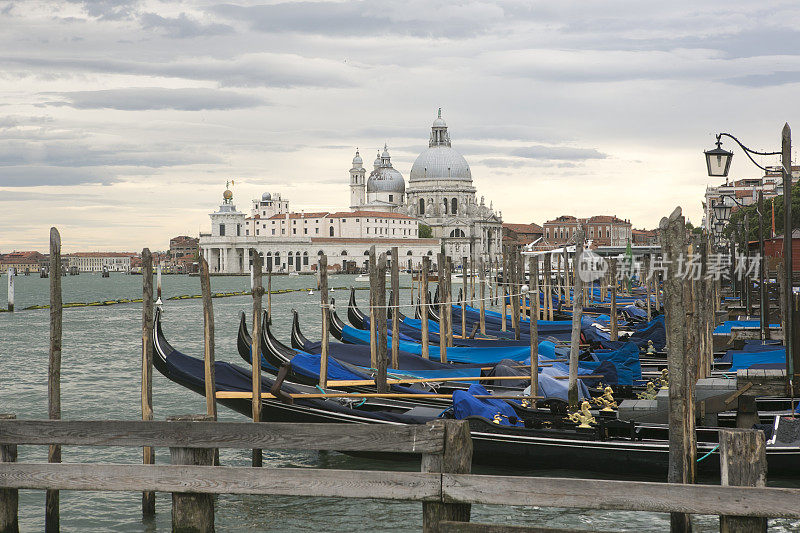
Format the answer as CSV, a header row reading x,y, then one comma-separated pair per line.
x,y
610,447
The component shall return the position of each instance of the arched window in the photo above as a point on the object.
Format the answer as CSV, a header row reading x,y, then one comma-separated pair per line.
x,y
454,208
409,253
366,253
330,230
445,206
457,233
318,253
305,258
297,261
430,252
344,252
422,206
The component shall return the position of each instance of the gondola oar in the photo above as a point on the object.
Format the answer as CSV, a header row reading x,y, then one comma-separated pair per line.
x,y
354,382
225,395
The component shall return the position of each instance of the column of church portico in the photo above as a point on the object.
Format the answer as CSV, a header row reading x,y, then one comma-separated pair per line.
x,y
224,266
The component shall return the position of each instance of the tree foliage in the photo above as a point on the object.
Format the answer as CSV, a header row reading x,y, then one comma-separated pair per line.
x,y
425,232
750,213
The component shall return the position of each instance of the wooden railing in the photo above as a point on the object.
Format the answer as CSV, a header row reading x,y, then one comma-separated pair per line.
x,y
444,485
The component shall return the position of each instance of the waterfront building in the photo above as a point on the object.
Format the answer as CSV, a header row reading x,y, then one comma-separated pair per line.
x,y
440,199
184,245
99,261
21,262
518,236
602,230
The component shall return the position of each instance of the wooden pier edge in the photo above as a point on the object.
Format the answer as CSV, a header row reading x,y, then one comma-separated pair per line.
x,y
9,498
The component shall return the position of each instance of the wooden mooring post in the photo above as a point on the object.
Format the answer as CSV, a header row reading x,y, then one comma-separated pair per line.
x,y
9,498
148,453
323,298
743,463
192,512
255,349
463,302
381,318
482,274
373,330
11,289
395,303
442,313
449,299
208,340
682,453
534,326
423,304
52,515
612,274
577,311
515,298
456,458
503,326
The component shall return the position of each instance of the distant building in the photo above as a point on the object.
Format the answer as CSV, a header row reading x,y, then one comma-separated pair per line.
x,y
602,230
644,237
184,245
99,261
519,235
21,262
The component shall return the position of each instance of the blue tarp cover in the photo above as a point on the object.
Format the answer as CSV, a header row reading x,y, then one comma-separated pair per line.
x,y
465,404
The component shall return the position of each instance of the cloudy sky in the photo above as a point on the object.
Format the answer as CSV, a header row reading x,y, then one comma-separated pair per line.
x,y
121,120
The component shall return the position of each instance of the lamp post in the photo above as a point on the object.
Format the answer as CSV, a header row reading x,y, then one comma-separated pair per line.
x,y
718,162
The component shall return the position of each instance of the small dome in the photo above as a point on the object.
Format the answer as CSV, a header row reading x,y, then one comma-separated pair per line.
x,y
377,161
385,151
266,197
386,179
357,159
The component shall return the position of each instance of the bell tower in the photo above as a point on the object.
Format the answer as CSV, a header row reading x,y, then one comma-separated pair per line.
x,y
357,183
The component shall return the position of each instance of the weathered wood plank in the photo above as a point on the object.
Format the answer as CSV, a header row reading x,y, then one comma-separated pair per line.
x,y
621,495
270,435
414,486
255,349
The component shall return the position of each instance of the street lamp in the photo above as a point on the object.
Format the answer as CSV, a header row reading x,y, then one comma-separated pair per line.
x,y
718,162
722,211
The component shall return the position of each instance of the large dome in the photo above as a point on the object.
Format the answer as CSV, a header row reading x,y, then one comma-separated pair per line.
x,y
440,163
385,179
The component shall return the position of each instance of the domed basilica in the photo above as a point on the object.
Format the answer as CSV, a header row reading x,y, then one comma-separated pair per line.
x,y
440,194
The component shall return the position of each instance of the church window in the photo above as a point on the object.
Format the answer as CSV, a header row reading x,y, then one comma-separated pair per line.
x,y
222,230
317,230
421,206
273,231
331,231
283,231
367,231
445,206
294,231
238,230
454,208
305,231
391,198
247,232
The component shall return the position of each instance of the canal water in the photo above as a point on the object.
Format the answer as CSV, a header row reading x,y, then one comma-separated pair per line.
x,y
101,380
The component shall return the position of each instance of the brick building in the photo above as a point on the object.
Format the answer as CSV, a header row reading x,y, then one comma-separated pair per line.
x,y
519,235
602,230
22,262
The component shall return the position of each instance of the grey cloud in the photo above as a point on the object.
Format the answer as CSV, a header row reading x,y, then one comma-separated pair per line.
x,y
108,9
766,80
423,18
144,98
39,175
81,155
557,152
182,26
252,70
503,163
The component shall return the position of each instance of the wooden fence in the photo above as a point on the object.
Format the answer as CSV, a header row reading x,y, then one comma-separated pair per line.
x,y
444,485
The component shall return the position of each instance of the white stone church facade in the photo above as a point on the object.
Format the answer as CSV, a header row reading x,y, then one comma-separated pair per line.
x,y
383,212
